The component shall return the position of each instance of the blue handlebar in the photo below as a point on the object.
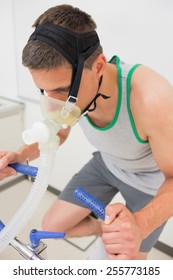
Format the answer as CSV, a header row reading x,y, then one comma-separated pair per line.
x,y
1,225
91,202
25,169
37,235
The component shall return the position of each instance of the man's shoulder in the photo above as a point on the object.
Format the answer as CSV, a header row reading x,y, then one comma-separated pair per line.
x,y
150,87
151,98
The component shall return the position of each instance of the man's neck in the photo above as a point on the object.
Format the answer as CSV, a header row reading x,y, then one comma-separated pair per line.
x,y
106,108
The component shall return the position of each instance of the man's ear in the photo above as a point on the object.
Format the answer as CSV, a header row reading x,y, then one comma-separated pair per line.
x,y
100,65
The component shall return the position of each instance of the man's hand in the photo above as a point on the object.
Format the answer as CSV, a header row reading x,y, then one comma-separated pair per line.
x,y
121,233
5,159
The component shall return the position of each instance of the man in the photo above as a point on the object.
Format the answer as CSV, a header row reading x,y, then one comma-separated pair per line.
x,y
127,116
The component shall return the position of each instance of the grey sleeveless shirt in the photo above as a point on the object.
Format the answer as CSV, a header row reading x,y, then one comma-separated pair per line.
x,y
124,153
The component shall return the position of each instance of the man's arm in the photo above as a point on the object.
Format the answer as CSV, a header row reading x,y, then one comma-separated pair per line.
x,y
159,128
152,110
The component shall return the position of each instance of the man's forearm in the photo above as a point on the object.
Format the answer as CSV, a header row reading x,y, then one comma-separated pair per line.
x,y
159,210
29,152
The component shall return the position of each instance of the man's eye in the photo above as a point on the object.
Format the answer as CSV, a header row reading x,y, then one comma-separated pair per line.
x,y
63,90
41,91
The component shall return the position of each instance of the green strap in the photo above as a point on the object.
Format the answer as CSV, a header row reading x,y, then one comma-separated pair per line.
x,y
129,77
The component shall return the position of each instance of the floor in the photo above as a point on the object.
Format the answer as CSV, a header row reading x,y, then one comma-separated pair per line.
x,y
71,249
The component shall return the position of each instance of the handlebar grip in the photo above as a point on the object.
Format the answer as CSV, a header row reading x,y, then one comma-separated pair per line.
x,y
1,225
36,236
91,202
25,169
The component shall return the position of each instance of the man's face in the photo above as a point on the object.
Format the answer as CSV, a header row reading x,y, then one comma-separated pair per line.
x,y
57,82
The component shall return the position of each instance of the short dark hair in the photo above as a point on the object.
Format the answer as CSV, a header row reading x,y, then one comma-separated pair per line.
x,y
39,55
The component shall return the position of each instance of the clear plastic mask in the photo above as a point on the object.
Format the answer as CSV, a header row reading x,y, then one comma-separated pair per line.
x,y
57,111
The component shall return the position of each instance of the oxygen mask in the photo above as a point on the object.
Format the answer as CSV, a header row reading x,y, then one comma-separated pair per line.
x,y
61,112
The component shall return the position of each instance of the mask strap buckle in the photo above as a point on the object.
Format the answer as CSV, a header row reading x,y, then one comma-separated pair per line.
x,y
69,105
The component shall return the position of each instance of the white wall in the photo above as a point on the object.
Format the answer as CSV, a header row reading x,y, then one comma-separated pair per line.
x,y
8,70
137,31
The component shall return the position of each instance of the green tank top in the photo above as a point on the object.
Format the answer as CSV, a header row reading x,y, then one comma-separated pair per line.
x,y
125,154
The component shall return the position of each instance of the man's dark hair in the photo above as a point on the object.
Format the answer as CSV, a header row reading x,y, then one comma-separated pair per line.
x,y
40,55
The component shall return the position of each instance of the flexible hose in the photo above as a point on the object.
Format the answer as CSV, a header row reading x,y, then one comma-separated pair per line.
x,y
32,201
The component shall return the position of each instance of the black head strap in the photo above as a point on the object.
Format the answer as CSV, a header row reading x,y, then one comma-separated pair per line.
x,y
75,47
88,109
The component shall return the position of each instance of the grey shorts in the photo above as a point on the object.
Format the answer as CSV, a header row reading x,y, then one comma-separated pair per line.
x,y
97,180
